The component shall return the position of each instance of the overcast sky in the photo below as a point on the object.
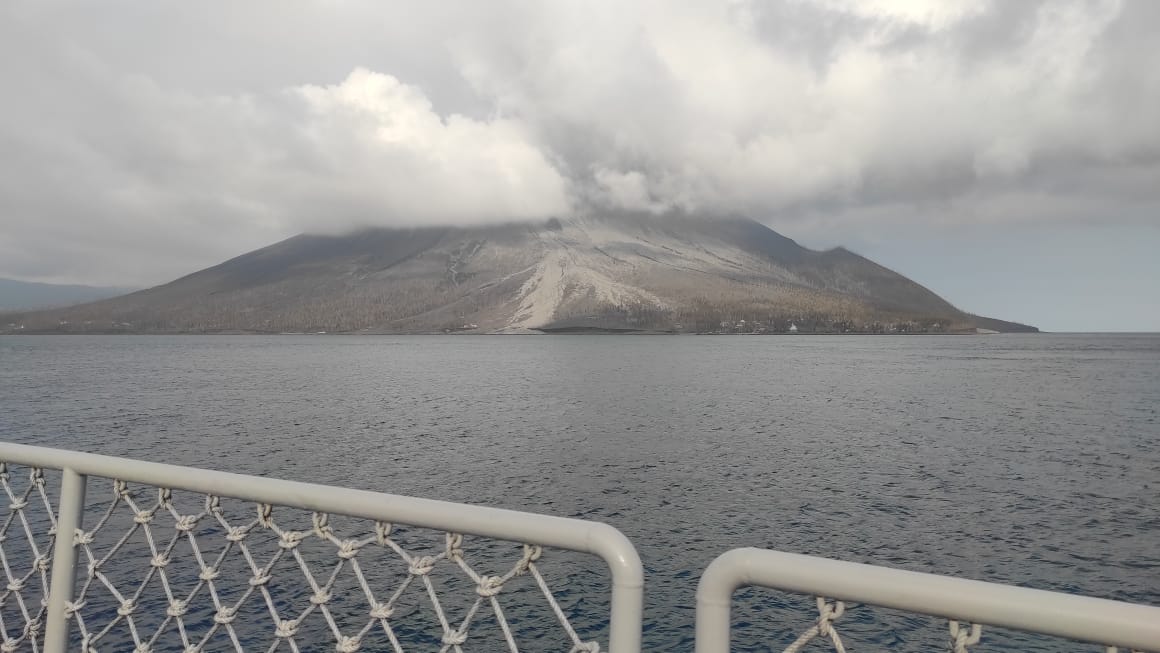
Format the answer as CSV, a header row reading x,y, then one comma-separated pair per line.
x,y
1005,154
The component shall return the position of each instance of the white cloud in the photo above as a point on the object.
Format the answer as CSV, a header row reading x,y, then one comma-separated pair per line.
x,y
378,147
625,191
128,131
703,107
931,14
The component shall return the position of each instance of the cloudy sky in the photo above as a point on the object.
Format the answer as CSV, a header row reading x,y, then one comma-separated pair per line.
x,y
1005,154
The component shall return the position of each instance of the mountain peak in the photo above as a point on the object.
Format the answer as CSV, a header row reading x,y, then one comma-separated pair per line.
x,y
609,272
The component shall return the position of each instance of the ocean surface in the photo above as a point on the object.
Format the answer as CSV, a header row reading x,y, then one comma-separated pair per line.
x,y
1025,459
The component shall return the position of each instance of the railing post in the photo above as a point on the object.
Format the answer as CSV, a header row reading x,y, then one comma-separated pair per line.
x,y
625,618
624,630
715,600
64,559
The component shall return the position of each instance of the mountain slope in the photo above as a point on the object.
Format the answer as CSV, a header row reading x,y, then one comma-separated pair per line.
x,y
25,295
627,273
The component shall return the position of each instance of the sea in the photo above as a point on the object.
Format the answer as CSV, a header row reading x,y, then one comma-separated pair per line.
x,y
1029,459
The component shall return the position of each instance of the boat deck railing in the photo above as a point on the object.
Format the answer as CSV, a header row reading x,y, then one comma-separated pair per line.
x,y
160,557
967,605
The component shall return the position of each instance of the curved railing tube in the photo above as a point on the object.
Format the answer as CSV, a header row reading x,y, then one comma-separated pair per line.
x,y
572,534
1111,623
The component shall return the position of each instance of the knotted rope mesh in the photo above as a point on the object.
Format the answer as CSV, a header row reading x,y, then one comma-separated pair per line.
x,y
209,573
878,629
823,627
26,542
196,573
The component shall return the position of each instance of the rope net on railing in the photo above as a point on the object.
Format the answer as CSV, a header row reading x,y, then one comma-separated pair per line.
x,y
231,575
27,536
963,635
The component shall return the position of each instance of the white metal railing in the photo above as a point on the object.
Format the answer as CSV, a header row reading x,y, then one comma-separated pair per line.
x,y
163,529
43,601
966,604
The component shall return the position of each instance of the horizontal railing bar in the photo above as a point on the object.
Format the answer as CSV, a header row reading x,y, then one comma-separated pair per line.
x,y
560,532
547,530
1053,613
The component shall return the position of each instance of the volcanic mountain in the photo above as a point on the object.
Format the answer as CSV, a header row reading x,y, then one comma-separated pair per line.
x,y
580,274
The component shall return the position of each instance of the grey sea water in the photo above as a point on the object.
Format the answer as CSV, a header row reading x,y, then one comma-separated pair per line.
x,y
1026,459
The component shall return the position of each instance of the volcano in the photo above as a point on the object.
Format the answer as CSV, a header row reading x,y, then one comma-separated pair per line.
x,y
622,274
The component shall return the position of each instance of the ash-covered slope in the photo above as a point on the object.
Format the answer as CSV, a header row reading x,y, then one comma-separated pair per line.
x,y
626,273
